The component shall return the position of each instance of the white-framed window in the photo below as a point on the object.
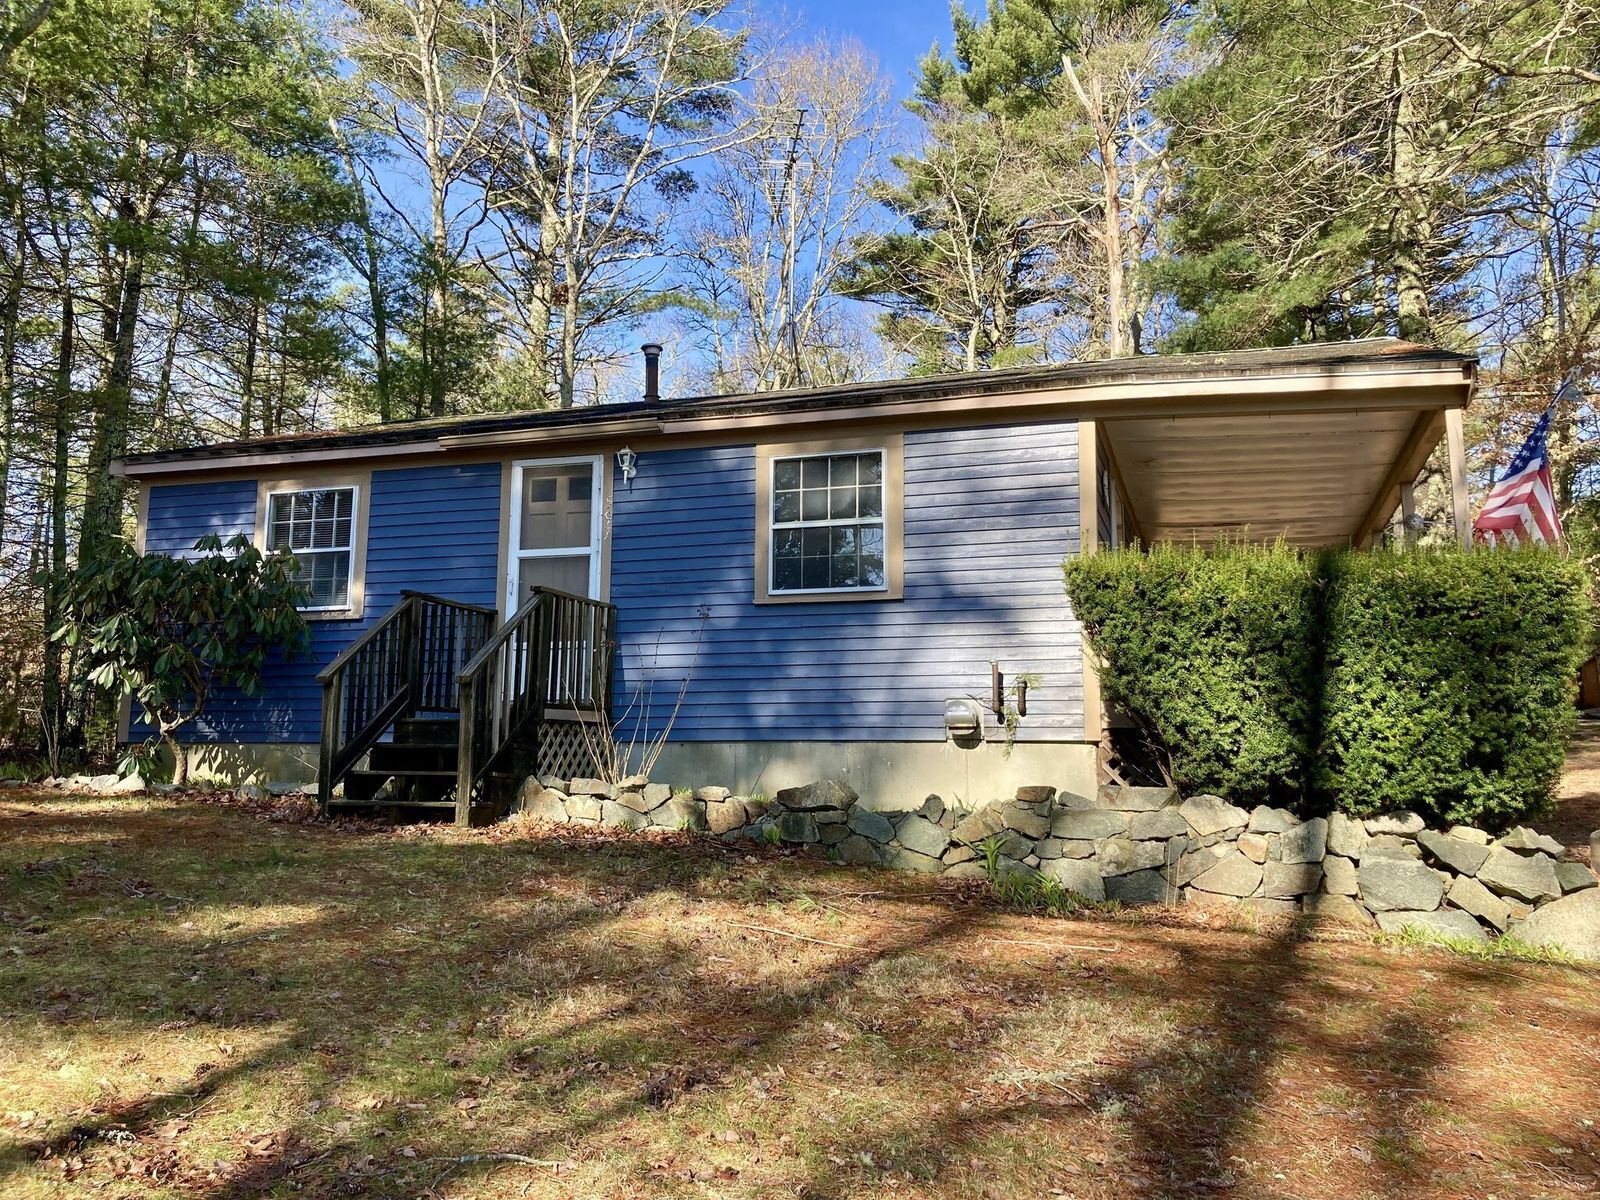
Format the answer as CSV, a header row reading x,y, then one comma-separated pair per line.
x,y
557,521
317,526
827,525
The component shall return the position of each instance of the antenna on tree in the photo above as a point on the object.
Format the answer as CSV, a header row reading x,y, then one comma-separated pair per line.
x,y
786,191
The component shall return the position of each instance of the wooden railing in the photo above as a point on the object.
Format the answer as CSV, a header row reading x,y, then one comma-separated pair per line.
x,y
554,653
404,665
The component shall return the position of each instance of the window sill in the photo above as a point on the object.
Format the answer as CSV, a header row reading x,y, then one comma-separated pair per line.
x,y
846,597
331,614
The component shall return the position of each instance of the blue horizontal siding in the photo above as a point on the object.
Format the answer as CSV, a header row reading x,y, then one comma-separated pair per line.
x,y
989,516
434,529
431,529
181,514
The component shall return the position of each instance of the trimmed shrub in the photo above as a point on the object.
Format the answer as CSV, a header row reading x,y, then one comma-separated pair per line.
x,y
1213,651
1438,681
1449,682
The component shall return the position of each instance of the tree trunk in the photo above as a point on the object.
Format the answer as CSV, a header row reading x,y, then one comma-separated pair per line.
x,y
10,304
439,320
1116,265
1091,98
439,246
180,758
26,26
380,334
101,523
373,274
541,306
103,495
419,400
247,373
280,379
180,304
1409,221
568,365
54,715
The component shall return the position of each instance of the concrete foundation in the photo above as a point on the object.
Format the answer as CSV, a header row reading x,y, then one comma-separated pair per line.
x,y
233,763
886,775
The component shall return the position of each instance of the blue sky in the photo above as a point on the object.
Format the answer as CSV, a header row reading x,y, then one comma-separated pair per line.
x,y
899,32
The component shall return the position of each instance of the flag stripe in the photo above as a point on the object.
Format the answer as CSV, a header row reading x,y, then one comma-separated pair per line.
x,y
1521,507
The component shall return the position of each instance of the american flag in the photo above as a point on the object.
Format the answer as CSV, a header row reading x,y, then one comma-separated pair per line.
x,y
1521,507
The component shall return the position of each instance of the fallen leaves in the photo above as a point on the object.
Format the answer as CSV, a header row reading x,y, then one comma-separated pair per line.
x,y
500,1014
670,1170
664,1087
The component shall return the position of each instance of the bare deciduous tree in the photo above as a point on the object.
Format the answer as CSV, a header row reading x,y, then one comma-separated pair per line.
x,y
783,209
601,110
1113,67
429,67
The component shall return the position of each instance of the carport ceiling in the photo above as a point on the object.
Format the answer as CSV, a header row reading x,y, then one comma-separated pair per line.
x,y
1313,478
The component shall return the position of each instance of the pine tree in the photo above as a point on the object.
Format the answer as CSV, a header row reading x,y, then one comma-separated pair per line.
x,y
1340,165
974,265
1039,193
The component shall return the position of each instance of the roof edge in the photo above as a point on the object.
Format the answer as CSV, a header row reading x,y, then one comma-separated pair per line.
x,y
843,402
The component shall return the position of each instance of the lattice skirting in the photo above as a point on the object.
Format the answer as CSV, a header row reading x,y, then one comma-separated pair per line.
x,y
562,752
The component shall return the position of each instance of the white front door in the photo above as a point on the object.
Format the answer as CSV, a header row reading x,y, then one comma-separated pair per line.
x,y
557,505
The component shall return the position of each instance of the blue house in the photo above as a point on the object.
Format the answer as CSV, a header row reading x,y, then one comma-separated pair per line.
x,y
860,582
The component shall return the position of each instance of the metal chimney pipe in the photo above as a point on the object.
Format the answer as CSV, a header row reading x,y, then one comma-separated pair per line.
x,y
652,372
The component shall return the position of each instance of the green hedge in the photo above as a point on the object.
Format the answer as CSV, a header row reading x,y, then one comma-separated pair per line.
x,y
1215,653
1438,681
1448,685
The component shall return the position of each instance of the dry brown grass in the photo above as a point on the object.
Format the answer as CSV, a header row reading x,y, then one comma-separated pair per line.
x,y
198,1002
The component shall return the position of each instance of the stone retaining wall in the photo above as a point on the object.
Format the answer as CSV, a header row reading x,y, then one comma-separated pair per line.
x,y
1149,845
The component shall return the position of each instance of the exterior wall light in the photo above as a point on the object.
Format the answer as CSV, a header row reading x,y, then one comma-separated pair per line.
x,y
627,462
963,719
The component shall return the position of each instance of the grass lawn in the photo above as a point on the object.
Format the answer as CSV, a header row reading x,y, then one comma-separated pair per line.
x,y
197,1001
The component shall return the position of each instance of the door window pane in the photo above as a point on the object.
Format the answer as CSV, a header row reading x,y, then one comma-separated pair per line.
x,y
557,507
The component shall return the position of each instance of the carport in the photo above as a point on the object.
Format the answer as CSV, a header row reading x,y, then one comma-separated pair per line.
x,y
1321,448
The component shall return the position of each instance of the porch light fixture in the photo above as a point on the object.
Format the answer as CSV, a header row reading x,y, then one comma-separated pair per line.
x,y
627,462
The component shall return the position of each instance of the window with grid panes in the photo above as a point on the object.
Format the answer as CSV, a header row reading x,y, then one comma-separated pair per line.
x,y
317,526
827,523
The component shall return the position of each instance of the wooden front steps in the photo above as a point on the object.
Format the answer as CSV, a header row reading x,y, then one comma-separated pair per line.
x,y
435,707
417,769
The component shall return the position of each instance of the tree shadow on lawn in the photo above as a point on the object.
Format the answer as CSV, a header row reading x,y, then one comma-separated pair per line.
x,y
1179,1105
333,990
1193,1105
569,1026
631,1035
1190,1114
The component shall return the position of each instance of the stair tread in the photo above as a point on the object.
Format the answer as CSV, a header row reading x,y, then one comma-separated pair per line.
x,y
391,803
397,772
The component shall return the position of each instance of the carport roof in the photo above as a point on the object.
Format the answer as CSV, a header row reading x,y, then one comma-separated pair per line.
x,y
1312,478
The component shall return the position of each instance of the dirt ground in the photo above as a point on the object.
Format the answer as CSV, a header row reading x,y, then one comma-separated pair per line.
x,y
199,1001
1577,814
